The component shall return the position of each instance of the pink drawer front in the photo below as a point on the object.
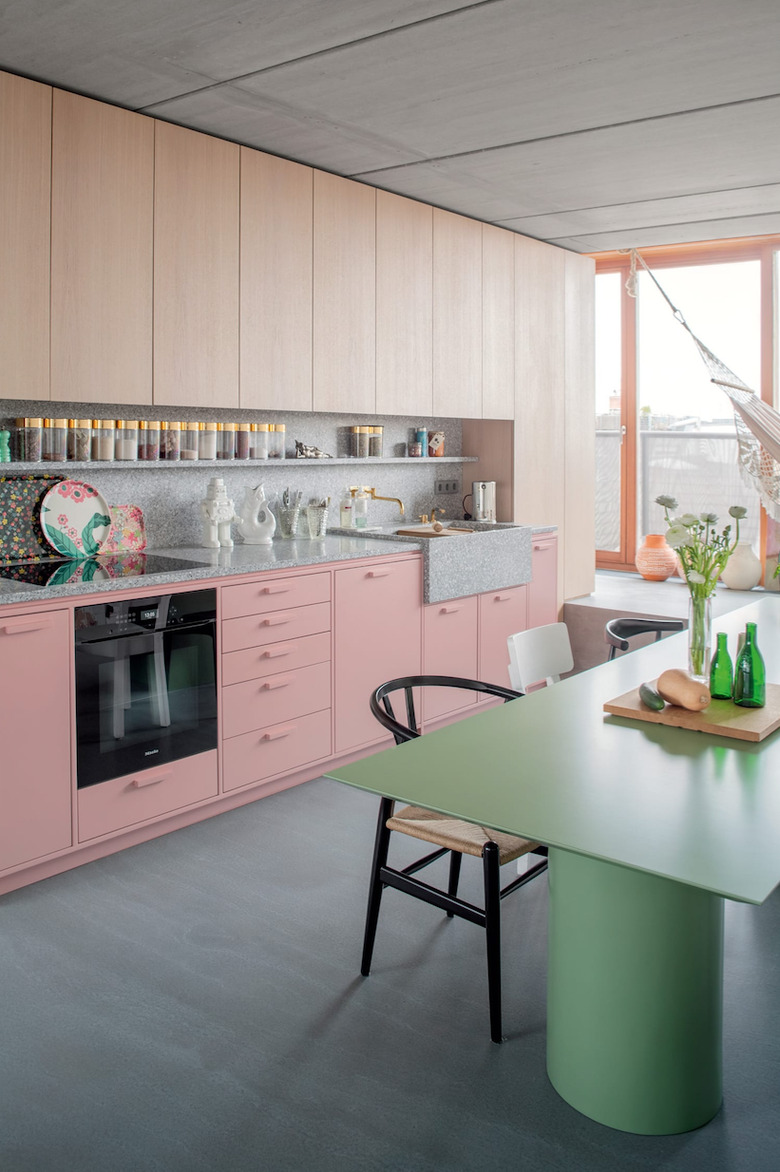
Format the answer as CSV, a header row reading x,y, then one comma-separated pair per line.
x,y
238,666
278,593
125,801
257,756
276,698
279,626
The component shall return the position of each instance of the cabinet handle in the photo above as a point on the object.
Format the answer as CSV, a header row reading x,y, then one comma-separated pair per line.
x,y
378,574
22,626
274,622
277,734
275,590
450,610
538,547
502,597
276,652
142,782
279,682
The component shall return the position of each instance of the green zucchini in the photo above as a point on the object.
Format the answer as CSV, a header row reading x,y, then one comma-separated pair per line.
x,y
651,698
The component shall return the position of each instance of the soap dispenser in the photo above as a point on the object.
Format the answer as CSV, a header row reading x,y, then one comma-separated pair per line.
x,y
360,507
346,516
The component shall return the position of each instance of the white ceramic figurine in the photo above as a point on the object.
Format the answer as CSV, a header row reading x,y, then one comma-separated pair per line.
x,y
256,524
218,513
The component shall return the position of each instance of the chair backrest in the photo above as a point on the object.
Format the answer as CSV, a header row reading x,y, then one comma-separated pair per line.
x,y
617,632
382,708
543,653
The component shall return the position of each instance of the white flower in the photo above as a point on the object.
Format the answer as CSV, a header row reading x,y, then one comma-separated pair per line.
x,y
678,535
695,576
689,519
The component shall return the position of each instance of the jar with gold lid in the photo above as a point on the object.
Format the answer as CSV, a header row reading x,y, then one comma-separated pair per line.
x,y
190,438
170,440
55,439
126,447
103,439
149,439
26,442
226,441
207,441
276,440
79,439
243,441
259,441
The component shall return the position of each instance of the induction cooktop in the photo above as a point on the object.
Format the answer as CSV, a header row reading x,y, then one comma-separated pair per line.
x,y
66,571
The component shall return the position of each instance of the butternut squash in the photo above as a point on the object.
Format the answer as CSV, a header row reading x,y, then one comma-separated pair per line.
x,y
678,687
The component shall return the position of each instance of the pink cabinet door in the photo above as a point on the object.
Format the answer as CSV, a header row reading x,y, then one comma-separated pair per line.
x,y
275,698
377,637
238,666
266,594
258,630
501,613
35,786
449,649
265,753
543,587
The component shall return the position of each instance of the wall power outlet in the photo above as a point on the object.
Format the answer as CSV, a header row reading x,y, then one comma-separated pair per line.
x,y
447,487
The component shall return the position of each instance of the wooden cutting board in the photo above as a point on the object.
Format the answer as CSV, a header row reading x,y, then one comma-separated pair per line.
x,y
451,532
720,717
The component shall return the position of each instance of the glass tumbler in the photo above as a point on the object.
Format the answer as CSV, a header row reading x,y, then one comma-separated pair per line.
x,y
287,520
317,520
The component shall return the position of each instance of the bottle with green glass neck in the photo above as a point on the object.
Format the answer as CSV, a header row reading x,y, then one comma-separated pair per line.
x,y
721,671
750,673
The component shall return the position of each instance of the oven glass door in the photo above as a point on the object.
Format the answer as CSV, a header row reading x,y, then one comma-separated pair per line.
x,y
144,700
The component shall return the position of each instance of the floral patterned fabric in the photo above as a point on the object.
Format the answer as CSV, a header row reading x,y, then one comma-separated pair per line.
x,y
21,535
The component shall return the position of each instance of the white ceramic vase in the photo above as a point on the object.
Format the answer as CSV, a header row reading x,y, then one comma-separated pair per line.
x,y
743,569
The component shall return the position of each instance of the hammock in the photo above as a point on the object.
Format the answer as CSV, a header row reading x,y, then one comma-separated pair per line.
x,y
757,424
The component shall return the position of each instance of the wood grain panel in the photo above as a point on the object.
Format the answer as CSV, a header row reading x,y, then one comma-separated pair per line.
x,y
101,261
344,294
195,268
498,323
457,315
579,544
404,306
25,189
276,283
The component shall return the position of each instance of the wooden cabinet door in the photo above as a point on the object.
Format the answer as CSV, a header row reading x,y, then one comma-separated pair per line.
x,y
457,315
25,188
344,294
101,252
449,649
276,283
377,620
35,785
498,323
501,613
196,194
404,305
543,587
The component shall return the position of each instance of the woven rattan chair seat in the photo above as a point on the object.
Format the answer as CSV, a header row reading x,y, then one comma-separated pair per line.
x,y
457,835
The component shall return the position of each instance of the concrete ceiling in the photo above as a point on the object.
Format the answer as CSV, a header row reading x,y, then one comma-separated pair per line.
x,y
592,124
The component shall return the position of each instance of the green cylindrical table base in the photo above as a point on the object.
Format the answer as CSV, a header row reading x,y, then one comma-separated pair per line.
x,y
635,994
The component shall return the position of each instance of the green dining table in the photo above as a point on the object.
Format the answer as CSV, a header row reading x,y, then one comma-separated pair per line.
x,y
650,828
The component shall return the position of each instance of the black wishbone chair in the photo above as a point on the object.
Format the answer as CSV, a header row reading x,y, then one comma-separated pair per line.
x,y
617,632
447,835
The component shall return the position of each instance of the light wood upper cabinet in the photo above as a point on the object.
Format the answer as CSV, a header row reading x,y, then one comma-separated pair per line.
x,y
498,323
457,315
404,306
276,283
579,557
344,294
25,187
196,199
101,252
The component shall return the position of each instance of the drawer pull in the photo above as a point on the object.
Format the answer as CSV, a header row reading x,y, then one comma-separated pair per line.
x,y
450,610
142,782
272,685
275,590
378,574
277,734
280,622
502,597
22,626
538,547
276,652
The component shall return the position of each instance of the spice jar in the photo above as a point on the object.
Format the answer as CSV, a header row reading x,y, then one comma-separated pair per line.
x,y
207,441
103,439
276,440
259,441
55,439
375,441
362,443
149,440
126,439
26,440
226,441
79,439
170,441
189,441
243,445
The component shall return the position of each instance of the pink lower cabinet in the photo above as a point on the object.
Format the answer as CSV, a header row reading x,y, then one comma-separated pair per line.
x,y
35,784
543,587
450,649
377,635
123,802
264,753
501,613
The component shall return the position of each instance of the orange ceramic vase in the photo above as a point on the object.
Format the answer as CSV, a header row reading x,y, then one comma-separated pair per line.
x,y
656,560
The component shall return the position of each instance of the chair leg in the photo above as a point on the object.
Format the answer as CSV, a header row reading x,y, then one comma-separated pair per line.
x,y
490,865
456,858
381,846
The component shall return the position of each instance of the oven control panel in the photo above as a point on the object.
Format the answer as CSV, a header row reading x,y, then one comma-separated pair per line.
x,y
137,616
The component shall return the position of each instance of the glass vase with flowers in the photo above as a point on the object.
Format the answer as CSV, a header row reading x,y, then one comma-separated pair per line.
x,y
703,553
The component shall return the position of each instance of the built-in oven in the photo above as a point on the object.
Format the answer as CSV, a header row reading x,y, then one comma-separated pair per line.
x,y
145,683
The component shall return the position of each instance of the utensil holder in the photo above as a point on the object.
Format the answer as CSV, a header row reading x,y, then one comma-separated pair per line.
x,y
287,520
317,520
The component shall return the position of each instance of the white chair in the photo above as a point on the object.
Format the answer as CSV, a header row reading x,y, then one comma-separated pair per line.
x,y
543,653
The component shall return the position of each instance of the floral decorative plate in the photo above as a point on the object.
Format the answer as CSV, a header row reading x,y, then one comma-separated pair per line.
x,y
127,529
75,519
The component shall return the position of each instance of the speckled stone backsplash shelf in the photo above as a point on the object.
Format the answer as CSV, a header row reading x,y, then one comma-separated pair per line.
x,y
169,494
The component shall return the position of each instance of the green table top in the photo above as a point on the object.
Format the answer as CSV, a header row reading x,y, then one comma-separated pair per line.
x,y
552,766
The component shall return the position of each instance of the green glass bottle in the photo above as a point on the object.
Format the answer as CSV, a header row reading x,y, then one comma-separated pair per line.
x,y
721,671
750,673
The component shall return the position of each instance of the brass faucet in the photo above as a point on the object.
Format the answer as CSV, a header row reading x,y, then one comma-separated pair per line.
x,y
374,497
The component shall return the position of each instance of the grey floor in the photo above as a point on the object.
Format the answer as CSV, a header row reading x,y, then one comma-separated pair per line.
x,y
192,1004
